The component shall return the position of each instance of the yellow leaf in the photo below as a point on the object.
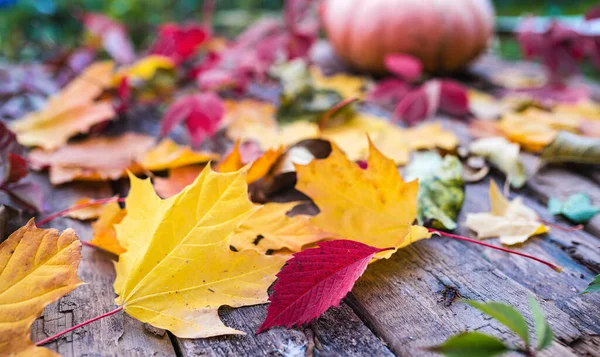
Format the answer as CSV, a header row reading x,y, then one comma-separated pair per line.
x,y
37,267
348,86
393,141
373,206
259,168
181,269
168,155
177,180
105,236
69,112
86,213
270,229
512,221
144,69
241,116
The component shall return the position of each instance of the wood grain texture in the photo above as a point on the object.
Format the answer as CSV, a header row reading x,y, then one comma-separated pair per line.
x,y
117,335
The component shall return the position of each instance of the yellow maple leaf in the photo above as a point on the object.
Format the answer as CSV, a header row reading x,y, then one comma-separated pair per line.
x,y
37,267
373,206
348,86
144,68
512,221
534,129
270,229
105,235
69,112
181,269
393,141
168,155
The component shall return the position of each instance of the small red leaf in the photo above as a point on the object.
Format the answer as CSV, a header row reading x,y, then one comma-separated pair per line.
x,y
453,98
18,168
202,114
315,280
180,42
405,66
124,95
419,103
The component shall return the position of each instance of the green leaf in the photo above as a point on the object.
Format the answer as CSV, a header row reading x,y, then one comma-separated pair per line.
x,y
577,208
471,344
594,286
543,332
441,188
568,147
507,315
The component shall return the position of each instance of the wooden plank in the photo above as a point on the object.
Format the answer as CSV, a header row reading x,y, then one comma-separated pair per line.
x,y
338,332
117,335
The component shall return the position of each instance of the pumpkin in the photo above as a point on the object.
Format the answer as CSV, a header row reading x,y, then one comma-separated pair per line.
x,y
444,34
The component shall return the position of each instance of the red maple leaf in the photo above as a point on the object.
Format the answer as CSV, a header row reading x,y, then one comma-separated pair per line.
x,y
419,104
454,99
315,280
202,114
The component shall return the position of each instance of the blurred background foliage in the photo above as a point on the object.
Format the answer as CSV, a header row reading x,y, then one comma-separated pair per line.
x,y
34,29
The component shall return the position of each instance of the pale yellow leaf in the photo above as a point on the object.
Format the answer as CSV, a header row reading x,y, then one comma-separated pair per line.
x,y
169,155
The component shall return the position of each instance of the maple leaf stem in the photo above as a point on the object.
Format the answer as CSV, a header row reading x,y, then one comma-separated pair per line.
x,y
53,337
79,206
334,110
562,228
455,236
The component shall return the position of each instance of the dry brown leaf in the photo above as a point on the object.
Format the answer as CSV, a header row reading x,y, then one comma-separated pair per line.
x,y
94,159
69,112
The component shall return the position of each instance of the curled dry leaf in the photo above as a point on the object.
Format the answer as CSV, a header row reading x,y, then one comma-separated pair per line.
x,y
504,155
373,206
69,112
168,155
270,229
185,300
511,221
81,162
568,147
37,266
105,235
202,114
326,273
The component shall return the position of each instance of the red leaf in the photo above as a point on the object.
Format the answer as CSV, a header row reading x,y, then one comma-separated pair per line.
x,y
315,280
405,66
453,98
202,114
18,168
388,91
419,103
115,38
124,95
552,94
180,42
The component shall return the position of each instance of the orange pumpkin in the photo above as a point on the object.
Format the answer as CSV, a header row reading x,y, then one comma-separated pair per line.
x,y
445,34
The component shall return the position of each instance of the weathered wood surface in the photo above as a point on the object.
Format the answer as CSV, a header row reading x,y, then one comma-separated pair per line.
x,y
398,307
